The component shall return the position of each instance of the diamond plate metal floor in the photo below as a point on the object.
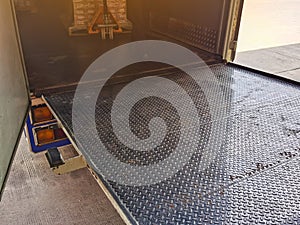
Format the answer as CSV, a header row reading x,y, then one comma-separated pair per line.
x,y
253,134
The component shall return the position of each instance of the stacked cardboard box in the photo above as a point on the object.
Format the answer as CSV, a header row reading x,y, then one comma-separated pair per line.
x,y
119,10
85,10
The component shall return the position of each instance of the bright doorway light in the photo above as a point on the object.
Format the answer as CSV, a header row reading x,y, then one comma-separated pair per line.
x,y
269,23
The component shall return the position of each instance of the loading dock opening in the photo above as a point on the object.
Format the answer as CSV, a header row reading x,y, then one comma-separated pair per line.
x,y
269,38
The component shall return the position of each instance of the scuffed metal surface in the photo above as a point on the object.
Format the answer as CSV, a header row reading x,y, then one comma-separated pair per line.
x,y
254,178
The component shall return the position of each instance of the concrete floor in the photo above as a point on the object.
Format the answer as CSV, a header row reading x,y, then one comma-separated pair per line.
x,y
283,61
34,195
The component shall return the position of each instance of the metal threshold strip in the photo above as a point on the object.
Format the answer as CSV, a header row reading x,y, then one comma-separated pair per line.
x,y
245,168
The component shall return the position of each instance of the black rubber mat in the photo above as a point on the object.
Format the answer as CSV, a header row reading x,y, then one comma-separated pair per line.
x,y
252,133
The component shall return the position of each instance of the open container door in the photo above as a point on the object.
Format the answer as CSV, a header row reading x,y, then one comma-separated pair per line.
x,y
14,98
232,30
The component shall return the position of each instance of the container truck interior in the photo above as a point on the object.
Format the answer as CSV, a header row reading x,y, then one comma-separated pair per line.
x,y
247,131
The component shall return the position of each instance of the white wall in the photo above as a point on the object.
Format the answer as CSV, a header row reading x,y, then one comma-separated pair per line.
x,y
269,23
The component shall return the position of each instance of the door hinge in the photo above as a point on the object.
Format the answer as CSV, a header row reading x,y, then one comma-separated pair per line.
x,y
233,45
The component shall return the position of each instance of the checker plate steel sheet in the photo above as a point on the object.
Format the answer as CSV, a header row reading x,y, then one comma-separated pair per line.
x,y
254,136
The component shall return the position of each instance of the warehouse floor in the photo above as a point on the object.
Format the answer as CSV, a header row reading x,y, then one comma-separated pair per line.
x,y
35,195
283,61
